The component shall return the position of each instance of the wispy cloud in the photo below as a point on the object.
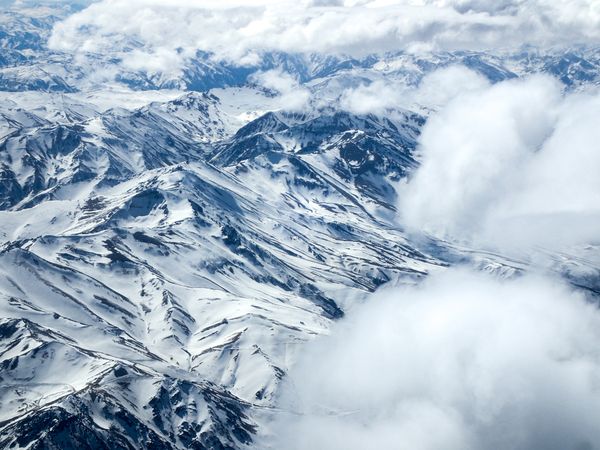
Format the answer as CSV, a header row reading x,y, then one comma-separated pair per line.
x,y
293,96
435,90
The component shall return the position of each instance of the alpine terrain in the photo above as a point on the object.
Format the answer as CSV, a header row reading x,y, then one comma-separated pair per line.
x,y
172,241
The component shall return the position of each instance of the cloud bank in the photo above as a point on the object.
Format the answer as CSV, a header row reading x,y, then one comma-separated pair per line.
x,y
511,164
151,34
463,361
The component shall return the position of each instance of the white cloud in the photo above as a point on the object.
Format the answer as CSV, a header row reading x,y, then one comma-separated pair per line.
x,y
293,96
237,31
376,97
464,361
437,88
512,164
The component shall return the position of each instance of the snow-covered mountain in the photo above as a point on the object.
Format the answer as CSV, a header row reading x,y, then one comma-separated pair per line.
x,y
149,245
164,255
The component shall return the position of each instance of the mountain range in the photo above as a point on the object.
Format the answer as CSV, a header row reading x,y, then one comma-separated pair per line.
x,y
168,245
